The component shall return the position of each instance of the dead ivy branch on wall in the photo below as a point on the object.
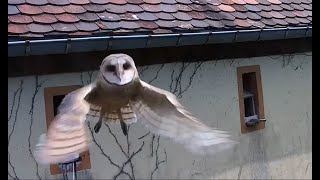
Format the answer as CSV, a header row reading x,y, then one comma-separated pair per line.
x,y
20,89
37,88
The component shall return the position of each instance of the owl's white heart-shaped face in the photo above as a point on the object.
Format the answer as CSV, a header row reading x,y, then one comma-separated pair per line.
x,y
118,69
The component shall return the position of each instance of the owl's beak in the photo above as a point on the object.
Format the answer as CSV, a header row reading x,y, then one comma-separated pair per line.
x,y
119,74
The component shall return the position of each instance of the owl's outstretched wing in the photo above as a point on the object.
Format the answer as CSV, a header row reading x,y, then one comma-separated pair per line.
x,y
160,111
67,136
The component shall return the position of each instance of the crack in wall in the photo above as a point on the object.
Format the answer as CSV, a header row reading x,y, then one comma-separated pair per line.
x,y
104,154
152,141
157,73
90,77
141,137
307,168
157,163
13,104
141,69
197,66
37,88
12,130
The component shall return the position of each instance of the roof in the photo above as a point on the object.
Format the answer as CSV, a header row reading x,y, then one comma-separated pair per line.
x,y
53,18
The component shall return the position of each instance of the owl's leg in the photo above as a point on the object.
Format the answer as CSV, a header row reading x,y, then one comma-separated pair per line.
x,y
99,123
122,123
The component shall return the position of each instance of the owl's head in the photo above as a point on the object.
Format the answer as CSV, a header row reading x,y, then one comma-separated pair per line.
x,y
118,69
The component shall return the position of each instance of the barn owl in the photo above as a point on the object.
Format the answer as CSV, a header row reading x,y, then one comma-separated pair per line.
x,y
119,95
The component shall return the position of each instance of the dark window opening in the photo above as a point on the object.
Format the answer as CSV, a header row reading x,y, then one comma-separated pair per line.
x,y
250,93
56,102
250,97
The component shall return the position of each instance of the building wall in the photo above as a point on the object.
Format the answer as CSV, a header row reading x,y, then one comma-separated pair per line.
x,y
280,151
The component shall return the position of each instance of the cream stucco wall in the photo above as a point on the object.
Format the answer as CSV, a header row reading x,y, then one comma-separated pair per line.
x,y
280,151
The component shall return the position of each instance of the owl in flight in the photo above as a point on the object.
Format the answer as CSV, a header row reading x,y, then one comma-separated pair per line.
x,y
119,95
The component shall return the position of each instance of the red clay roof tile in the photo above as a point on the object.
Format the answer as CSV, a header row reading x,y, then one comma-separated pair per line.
x,y
152,1
292,21
183,7
67,18
87,17
277,15
147,16
101,2
39,28
151,8
199,24
300,14
112,8
274,1
226,2
18,28
74,9
111,25
242,23
105,16
239,15
164,16
132,8
226,8
129,25
51,9
86,26
20,19
212,15
129,17
59,2
302,20
196,15
29,9
214,2
64,27
147,24
252,2
135,1
239,8
181,16
16,2
240,2
263,2
226,16
213,23
44,18
79,2
168,1
280,22
184,1
168,8
165,24
118,2
37,2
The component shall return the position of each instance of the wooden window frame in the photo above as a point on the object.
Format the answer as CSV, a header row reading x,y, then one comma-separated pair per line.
x,y
240,71
49,93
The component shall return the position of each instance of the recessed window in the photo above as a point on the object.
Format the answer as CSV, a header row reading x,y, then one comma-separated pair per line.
x,y
252,116
53,98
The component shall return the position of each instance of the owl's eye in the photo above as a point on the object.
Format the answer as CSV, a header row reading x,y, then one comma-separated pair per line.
x,y
110,68
126,66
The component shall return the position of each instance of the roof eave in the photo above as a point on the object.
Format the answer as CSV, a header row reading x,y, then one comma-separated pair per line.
x,y
105,43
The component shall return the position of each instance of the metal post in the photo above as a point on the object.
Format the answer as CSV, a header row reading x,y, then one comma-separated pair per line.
x,y
64,167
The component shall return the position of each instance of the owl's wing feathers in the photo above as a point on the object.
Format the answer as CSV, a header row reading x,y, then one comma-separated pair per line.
x,y
67,136
160,111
